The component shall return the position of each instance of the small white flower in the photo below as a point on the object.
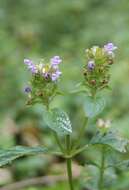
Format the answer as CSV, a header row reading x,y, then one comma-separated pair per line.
x,y
104,124
100,123
94,49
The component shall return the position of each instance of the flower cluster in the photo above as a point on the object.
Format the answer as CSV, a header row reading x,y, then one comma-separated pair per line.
x,y
96,69
47,71
43,84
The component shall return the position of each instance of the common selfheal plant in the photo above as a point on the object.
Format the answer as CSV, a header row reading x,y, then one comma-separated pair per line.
x,y
43,87
96,78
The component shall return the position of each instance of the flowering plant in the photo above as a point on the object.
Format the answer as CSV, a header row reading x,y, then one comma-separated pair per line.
x,y
43,87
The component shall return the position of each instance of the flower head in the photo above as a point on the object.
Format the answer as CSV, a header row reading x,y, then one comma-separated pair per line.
x,y
43,81
47,71
96,70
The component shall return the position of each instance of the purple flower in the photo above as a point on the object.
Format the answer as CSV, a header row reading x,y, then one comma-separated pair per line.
x,y
56,75
27,89
91,65
30,65
46,75
27,61
55,61
109,48
47,71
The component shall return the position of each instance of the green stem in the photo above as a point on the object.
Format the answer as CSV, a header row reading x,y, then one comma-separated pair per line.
x,y
101,177
82,131
69,162
68,144
75,152
69,171
58,142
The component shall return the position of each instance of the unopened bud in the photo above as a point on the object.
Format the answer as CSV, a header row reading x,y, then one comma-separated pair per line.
x,y
85,72
110,61
103,125
101,69
29,102
39,93
104,81
93,82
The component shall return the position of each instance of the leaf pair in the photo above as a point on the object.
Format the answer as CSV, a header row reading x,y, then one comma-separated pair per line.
x,y
58,120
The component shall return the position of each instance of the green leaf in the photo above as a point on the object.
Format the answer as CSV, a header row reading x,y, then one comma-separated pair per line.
x,y
122,165
79,88
89,177
111,139
92,163
8,155
93,106
58,120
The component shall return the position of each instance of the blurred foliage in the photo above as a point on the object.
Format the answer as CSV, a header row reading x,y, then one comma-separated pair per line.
x,y
57,187
41,29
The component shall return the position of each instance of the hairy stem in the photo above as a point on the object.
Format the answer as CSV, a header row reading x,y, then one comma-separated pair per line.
x,y
101,177
69,162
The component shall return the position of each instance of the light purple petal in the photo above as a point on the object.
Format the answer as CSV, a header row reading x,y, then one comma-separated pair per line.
x,y
56,75
33,70
30,65
55,60
27,61
109,47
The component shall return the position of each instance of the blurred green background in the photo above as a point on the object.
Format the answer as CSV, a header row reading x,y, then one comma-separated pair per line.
x,y
42,29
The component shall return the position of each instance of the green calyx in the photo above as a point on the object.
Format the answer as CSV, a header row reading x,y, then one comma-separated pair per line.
x,y
43,90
